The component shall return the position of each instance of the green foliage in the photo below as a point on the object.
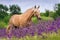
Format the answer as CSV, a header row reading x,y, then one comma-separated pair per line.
x,y
47,13
3,7
3,11
2,24
6,19
57,9
42,14
3,14
15,9
54,15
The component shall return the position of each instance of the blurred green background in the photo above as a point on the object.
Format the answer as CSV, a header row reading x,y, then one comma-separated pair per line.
x,y
15,9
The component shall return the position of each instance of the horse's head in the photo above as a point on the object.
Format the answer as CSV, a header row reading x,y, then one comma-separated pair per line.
x,y
36,12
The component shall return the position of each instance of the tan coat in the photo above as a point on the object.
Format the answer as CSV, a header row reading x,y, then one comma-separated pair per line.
x,y
21,20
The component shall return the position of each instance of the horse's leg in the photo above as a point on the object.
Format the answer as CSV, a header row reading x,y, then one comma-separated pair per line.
x,y
8,31
9,28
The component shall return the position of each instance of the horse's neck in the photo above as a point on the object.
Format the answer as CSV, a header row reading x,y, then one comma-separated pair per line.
x,y
28,15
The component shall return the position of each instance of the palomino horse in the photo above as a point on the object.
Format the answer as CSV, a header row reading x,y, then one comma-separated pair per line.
x,y
23,19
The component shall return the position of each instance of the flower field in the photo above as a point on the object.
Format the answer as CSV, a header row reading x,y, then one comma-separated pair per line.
x,y
43,30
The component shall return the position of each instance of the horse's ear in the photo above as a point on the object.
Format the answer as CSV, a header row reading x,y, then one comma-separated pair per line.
x,y
38,7
35,6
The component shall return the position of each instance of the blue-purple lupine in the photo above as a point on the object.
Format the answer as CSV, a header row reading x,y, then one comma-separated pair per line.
x,y
39,28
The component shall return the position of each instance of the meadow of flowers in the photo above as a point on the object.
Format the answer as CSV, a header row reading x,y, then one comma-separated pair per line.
x,y
39,29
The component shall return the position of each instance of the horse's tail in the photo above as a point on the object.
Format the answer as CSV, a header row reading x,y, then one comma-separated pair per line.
x,y
8,29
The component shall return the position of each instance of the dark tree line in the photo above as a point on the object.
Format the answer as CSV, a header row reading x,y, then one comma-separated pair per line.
x,y
13,9
3,11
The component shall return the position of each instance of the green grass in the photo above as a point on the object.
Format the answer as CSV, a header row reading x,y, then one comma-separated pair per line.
x,y
52,36
2,24
34,19
46,18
